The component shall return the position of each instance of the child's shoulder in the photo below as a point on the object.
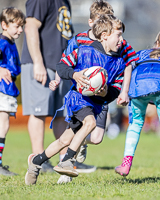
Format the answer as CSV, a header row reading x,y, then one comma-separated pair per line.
x,y
5,42
144,54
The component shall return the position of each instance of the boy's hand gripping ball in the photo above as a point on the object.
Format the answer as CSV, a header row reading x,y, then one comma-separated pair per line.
x,y
97,79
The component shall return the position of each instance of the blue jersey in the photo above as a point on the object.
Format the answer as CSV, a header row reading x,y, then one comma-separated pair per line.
x,y
145,77
9,60
126,51
86,57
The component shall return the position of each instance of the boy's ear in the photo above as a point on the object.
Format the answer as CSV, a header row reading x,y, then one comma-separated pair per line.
x,y
4,25
104,36
90,22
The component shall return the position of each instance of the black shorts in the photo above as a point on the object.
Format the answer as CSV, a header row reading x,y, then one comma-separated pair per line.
x,y
102,117
78,117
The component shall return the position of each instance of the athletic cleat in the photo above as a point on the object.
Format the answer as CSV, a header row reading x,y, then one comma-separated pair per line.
x,y
32,172
125,167
66,168
83,168
123,171
81,156
64,179
4,170
46,167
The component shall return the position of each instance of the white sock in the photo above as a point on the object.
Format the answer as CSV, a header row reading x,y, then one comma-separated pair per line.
x,y
61,156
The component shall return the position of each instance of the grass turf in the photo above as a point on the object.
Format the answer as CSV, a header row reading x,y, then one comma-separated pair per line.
x,y
143,182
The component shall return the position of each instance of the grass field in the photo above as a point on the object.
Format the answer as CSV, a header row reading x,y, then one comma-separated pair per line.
x,y
143,181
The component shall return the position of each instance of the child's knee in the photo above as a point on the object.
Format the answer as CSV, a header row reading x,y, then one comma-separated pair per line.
x,y
97,136
64,143
89,122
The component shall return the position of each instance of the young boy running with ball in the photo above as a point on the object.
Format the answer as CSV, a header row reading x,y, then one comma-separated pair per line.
x,y
82,111
86,38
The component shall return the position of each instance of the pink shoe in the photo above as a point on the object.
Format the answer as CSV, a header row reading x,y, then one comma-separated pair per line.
x,y
125,167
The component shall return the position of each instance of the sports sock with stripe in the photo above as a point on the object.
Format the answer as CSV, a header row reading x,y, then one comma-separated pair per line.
x,y
2,144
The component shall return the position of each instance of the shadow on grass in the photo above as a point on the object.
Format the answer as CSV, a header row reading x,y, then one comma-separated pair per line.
x,y
105,168
142,180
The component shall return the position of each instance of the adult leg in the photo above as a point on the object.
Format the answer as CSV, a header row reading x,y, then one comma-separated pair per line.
x,y
36,128
37,101
59,126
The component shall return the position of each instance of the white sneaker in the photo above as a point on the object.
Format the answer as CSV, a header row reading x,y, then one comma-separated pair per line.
x,y
81,156
64,179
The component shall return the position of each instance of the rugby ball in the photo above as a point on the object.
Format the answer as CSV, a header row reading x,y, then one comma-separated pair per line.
x,y
97,78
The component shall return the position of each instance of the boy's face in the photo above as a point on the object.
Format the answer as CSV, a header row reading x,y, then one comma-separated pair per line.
x,y
12,30
114,40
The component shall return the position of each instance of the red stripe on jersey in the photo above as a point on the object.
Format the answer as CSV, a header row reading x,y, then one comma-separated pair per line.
x,y
62,60
69,59
63,55
116,87
123,53
82,34
75,54
118,81
84,42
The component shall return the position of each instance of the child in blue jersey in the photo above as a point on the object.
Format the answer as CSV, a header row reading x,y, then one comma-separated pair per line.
x,y
12,21
86,38
144,88
82,110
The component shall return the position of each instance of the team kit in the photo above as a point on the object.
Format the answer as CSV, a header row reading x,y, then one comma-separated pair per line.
x,y
78,77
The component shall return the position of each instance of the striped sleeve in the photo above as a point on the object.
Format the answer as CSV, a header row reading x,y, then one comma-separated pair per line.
x,y
117,83
83,39
127,53
71,59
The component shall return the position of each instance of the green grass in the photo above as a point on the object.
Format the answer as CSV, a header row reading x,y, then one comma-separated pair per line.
x,y
143,182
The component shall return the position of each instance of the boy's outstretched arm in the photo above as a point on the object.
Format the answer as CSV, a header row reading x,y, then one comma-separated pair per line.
x,y
123,98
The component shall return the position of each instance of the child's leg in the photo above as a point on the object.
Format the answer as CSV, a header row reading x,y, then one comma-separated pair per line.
x,y
157,103
4,127
133,133
89,124
66,167
34,161
97,134
95,137
55,147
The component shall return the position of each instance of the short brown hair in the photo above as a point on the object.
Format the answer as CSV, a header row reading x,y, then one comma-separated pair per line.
x,y
117,23
11,15
156,52
100,7
106,23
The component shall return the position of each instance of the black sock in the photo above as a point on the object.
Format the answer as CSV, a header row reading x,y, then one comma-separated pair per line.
x,y
70,154
40,158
